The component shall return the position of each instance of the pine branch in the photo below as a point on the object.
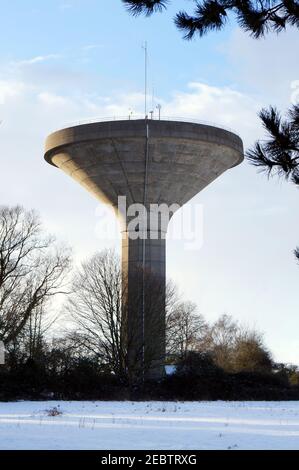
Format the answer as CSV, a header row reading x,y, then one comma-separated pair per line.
x,y
271,120
211,15
146,7
280,153
258,17
295,176
292,11
257,157
293,115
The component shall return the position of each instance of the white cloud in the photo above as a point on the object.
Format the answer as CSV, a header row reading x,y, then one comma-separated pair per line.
x,y
35,60
266,67
221,106
10,89
91,47
217,105
53,100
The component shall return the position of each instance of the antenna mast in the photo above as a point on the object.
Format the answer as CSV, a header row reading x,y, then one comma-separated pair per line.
x,y
145,77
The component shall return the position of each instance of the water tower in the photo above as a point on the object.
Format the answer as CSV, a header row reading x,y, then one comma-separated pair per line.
x,y
148,162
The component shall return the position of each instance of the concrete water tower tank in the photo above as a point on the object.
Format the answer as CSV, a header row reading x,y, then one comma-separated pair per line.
x,y
149,162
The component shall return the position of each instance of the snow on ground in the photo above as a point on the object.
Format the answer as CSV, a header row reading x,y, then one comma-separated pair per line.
x,y
150,425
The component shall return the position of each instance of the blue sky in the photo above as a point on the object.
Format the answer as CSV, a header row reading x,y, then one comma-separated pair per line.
x,y
61,62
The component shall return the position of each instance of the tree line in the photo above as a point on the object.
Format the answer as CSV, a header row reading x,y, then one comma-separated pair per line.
x,y
86,354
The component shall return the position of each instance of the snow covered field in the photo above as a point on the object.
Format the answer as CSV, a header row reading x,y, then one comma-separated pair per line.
x,y
150,425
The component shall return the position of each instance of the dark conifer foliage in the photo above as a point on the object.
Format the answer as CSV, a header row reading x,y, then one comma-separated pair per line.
x,y
147,7
258,17
279,154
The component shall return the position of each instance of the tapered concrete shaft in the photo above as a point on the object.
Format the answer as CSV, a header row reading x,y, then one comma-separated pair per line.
x,y
148,162
143,273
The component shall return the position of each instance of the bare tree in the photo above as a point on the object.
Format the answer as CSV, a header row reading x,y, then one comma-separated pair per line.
x,y
236,347
185,328
251,355
221,340
110,328
95,307
36,330
32,270
33,341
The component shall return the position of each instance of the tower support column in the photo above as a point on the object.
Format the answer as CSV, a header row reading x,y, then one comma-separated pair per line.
x,y
144,279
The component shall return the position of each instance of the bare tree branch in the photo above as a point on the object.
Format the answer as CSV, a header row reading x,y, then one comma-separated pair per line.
x,y
32,269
